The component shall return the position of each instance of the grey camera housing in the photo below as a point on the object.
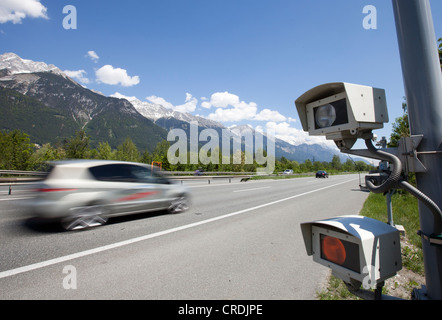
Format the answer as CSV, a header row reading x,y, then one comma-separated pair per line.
x,y
359,110
376,254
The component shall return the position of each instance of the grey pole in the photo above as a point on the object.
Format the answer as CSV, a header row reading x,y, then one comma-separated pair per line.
x,y
423,88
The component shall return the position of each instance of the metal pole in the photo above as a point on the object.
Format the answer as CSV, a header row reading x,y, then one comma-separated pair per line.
x,y
384,164
423,88
390,208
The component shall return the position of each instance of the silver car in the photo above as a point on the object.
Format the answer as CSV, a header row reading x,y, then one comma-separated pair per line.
x,y
85,193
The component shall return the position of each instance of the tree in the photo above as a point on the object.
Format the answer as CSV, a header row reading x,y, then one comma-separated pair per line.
x,y
336,163
78,146
349,166
127,151
361,166
15,151
401,128
160,154
146,157
44,154
307,166
318,165
440,52
295,166
104,151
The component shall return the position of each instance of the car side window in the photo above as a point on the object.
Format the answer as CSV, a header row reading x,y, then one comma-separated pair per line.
x,y
112,172
141,174
126,173
146,175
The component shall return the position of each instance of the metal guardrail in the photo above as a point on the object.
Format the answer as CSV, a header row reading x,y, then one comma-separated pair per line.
x,y
173,173
30,177
25,173
33,176
209,178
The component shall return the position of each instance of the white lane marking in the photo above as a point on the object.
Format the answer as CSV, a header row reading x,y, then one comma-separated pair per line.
x,y
205,185
85,253
245,190
10,199
212,185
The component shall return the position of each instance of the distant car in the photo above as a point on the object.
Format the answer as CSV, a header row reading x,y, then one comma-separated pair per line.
x,y
85,193
288,171
198,172
321,174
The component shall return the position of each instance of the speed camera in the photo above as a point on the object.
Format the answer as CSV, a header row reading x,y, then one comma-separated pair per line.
x,y
356,248
342,112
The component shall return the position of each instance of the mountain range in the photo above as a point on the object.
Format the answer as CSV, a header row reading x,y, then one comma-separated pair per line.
x,y
41,100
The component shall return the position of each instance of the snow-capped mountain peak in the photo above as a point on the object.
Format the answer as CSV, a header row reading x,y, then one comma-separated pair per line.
x,y
155,112
16,65
149,110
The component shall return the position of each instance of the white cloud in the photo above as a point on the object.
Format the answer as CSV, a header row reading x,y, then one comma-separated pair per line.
x,y
206,105
189,104
295,136
240,111
121,96
114,76
229,108
15,11
221,100
270,115
93,56
160,101
78,75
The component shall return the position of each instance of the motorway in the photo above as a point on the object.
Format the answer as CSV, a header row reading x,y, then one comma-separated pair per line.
x,y
238,241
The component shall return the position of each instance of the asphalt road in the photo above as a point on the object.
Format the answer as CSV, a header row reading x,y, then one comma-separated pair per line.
x,y
239,240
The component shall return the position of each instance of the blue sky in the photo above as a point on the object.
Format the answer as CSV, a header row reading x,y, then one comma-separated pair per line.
x,y
235,61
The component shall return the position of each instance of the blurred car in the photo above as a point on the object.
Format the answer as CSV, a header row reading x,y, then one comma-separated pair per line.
x,y
288,171
85,193
321,174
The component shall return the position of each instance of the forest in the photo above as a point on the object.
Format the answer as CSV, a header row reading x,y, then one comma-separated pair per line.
x,y
18,153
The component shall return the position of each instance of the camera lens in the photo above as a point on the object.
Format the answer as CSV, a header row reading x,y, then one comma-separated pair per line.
x,y
325,116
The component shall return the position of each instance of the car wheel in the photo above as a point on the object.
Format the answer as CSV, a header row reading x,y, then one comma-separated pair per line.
x,y
179,204
85,217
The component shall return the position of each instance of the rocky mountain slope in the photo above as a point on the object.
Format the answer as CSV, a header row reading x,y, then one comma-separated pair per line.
x,y
42,101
